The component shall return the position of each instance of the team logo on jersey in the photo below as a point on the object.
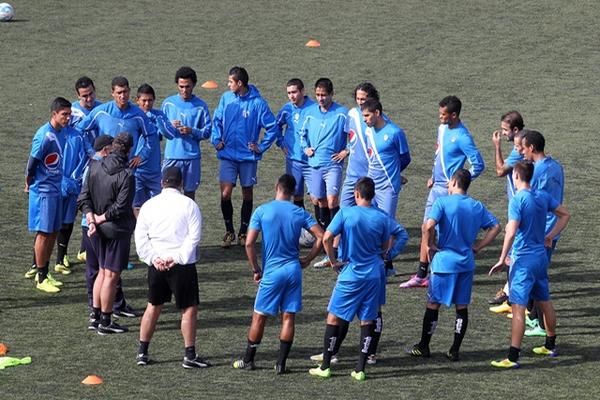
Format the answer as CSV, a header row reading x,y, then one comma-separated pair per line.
x,y
52,161
453,139
296,117
370,152
385,138
352,136
245,113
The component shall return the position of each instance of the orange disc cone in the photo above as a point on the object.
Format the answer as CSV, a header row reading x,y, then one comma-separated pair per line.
x,y
313,43
3,349
92,380
210,85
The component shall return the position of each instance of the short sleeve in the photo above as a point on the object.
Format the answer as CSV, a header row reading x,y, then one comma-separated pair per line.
x,y
514,209
309,221
337,223
436,211
255,220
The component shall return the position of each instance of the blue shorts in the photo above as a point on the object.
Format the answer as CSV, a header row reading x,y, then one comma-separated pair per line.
x,y
45,213
69,209
146,187
360,298
450,288
230,170
528,279
325,181
347,196
301,173
279,291
437,190
387,200
190,170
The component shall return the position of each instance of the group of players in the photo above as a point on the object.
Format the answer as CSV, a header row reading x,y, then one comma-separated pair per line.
x,y
355,218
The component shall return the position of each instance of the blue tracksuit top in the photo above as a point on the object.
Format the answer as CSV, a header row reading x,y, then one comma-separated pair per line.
x,y
75,160
193,113
237,122
292,117
324,132
77,114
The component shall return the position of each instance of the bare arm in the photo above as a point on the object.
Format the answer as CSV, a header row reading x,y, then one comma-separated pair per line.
x,y
490,235
563,219
429,238
509,238
317,232
251,237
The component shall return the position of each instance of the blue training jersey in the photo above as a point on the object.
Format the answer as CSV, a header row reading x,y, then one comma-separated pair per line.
x,y
388,155
280,234
292,117
77,114
358,161
548,176
364,231
163,127
47,149
75,160
192,113
324,132
459,219
237,122
529,207
454,148
513,158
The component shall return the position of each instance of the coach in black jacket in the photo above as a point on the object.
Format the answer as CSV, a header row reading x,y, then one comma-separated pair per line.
x,y
106,200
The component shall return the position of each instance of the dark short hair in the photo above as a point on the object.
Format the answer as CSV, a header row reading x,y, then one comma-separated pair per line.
x,y
172,177
372,105
59,103
239,74
535,139
186,73
102,141
525,170
368,88
463,178
513,119
295,82
146,89
452,104
287,183
324,83
120,81
84,82
122,144
365,187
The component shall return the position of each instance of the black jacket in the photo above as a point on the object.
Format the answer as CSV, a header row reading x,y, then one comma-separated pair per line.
x,y
109,188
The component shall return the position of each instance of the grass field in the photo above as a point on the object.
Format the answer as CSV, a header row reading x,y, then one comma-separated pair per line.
x,y
538,57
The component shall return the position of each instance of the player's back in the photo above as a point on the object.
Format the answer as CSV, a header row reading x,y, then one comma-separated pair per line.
x,y
530,207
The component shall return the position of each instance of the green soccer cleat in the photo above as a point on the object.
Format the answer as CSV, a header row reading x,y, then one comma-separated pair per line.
x,y
531,323
506,363
62,269
537,331
544,351
358,376
66,261
241,364
81,256
46,286
321,373
50,280
30,274
318,358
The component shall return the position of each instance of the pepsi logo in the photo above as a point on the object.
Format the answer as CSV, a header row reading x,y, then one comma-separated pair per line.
x,y
370,152
52,161
352,136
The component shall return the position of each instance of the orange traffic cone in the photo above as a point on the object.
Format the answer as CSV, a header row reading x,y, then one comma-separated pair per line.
x,y
92,380
313,43
210,85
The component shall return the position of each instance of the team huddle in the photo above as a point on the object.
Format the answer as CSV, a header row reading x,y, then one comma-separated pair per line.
x,y
104,159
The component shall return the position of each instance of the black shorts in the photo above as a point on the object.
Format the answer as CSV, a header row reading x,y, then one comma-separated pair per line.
x,y
181,281
112,254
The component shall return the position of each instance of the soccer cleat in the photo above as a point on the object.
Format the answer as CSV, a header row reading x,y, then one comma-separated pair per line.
x,y
321,373
195,362
506,363
358,376
46,286
110,329
127,312
324,263
544,351
62,269
241,364
93,323
417,351
531,323
227,240
499,298
81,256
241,240
30,274
66,261
54,281
452,356
280,370
372,359
318,358
502,308
142,359
415,282
130,266
536,331
306,239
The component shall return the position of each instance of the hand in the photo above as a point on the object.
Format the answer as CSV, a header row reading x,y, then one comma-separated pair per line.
x,y
337,266
257,276
548,242
176,123
304,262
91,229
403,180
496,136
285,151
507,261
430,183
339,157
169,263
184,130
220,146
309,152
159,263
253,147
431,250
135,162
497,267
26,189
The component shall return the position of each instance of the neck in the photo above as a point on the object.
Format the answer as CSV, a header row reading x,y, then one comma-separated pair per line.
x,y
522,185
363,203
380,123
56,125
325,108
454,123
538,156
282,196
83,105
123,107
300,102
243,91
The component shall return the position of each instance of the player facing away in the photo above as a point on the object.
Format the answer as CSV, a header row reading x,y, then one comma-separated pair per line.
x,y
43,184
190,116
527,236
365,233
454,147
280,279
167,234
458,219
237,122
511,128
86,102
323,140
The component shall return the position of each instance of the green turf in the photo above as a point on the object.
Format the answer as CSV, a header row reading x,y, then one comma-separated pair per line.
x,y
538,57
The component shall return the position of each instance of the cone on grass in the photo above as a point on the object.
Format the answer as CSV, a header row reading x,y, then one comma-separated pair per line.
x,y
3,349
92,380
313,43
210,85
